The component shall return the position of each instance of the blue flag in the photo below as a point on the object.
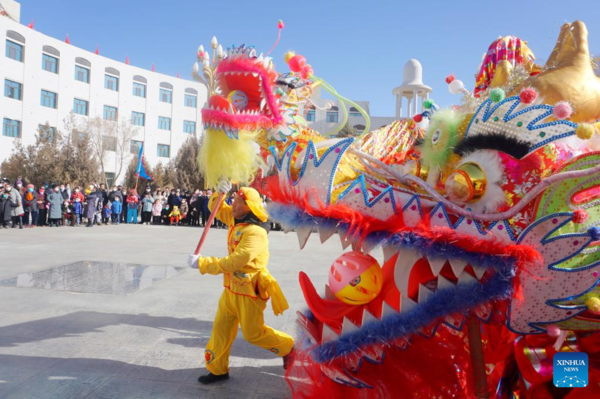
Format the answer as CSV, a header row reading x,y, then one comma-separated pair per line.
x,y
141,167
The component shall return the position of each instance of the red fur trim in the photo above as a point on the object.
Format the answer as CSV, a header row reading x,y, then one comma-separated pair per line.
x,y
238,121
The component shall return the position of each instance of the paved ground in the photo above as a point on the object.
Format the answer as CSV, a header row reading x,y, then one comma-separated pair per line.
x,y
56,344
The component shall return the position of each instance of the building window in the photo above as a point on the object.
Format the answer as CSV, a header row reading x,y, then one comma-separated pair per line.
x,y
110,113
110,178
164,123
163,151
48,99
109,143
111,82
166,96
356,114
81,136
11,128
332,117
14,51
139,90
47,132
49,63
191,100
135,146
82,74
310,115
189,127
138,118
80,107
13,89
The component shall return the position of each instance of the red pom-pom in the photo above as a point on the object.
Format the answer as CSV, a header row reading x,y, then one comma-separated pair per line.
x,y
296,63
280,24
562,110
450,79
418,118
528,95
306,72
580,216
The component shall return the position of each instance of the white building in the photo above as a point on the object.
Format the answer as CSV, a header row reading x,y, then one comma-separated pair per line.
x,y
45,79
324,119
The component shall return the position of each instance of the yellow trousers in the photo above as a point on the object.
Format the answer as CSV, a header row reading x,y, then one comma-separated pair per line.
x,y
246,312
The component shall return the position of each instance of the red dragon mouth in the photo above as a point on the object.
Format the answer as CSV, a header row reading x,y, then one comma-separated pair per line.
x,y
251,79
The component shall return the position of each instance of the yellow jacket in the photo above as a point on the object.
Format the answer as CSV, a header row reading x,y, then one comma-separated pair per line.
x,y
245,268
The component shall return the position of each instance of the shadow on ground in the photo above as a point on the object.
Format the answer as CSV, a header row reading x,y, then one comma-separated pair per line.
x,y
26,377
186,332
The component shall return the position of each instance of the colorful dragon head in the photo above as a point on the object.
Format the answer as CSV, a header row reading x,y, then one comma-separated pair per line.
x,y
244,97
488,215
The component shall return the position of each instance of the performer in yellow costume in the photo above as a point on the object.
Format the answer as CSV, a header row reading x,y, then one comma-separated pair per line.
x,y
248,285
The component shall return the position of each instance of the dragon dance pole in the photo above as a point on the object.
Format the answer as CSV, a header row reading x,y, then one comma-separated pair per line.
x,y
209,222
477,360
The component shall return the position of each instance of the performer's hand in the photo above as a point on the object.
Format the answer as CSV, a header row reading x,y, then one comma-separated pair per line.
x,y
224,186
193,261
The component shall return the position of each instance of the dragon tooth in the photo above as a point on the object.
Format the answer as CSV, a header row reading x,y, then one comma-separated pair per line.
x,y
348,326
388,252
436,264
255,74
325,232
368,317
303,234
387,310
407,304
479,271
345,239
328,334
246,73
308,326
424,294
263,102
404,265
465,279
444,283
458,265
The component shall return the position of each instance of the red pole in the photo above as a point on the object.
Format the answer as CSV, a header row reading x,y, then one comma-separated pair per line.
x,y
477,360
209,223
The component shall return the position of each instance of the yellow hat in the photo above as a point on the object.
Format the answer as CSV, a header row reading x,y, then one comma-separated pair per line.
x,y
254,202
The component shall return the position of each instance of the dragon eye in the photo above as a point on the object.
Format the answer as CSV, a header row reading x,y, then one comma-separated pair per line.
x,y
435,137
466,184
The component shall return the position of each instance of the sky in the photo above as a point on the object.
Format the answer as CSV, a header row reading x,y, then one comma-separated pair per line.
x,y
359,47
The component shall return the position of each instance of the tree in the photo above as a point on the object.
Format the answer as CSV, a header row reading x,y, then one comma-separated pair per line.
x,y
347,131
130,177
125,133
80,167
108,136
183,171
158,173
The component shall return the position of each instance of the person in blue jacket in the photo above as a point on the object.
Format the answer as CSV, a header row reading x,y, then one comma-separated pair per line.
x,y
117,209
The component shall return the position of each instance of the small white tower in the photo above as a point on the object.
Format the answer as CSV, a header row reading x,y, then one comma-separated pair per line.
x,y
412,88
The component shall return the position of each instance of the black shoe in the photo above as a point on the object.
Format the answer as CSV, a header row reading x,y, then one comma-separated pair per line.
x,y
210,378
288,359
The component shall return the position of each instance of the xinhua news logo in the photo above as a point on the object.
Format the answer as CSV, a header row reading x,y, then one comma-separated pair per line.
x,y
570,370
